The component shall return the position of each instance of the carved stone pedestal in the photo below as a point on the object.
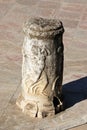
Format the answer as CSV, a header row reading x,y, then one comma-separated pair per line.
x,y
42,68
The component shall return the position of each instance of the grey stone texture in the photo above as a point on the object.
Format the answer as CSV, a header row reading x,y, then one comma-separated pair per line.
x,y
73,14
14,119
42,67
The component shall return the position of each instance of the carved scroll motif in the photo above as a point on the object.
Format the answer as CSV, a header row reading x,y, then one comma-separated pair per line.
x,y
42,68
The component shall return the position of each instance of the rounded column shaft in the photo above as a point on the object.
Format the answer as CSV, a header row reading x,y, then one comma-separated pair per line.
x,y
42,68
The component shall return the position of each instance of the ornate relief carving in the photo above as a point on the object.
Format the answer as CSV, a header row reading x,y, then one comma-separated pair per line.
x,y
42,68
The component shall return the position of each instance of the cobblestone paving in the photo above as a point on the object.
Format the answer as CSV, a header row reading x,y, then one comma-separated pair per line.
x,y
73,14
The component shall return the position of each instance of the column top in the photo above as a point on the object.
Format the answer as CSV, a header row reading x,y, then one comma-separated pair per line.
x,y
42,28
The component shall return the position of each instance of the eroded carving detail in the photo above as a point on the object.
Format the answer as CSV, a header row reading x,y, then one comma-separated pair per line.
x,y
42,68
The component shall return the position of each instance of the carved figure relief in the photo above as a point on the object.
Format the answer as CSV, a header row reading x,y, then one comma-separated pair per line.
x,y
42,68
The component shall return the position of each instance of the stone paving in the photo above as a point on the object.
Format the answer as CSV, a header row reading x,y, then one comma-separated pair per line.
x,y
73,14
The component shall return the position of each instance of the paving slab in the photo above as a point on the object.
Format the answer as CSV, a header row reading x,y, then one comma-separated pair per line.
x,y
14,119
83,127
73,14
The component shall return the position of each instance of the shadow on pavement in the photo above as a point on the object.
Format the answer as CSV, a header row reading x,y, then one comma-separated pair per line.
x,y
74,92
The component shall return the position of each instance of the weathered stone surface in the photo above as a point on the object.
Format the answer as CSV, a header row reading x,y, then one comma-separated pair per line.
x,y
82,127
75,65
14,119
42,68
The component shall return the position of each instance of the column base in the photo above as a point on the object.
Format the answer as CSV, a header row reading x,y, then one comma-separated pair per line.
x,y
39,107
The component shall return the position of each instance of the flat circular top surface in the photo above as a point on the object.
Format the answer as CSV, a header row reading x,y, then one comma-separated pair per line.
x,y
41,27
40,24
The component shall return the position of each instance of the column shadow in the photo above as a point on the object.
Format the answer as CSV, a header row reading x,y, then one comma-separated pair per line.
x,y
74,92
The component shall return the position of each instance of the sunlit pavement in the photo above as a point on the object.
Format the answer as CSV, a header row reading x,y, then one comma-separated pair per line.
x,y
13,13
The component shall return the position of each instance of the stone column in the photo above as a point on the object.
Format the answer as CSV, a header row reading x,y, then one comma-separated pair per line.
x,y
42,68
